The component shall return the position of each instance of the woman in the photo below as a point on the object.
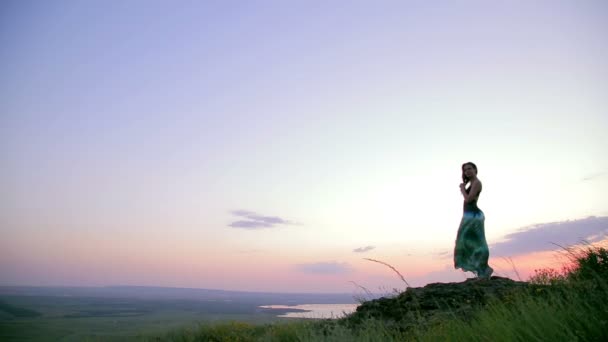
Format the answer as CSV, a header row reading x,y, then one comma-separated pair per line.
x,y
471,252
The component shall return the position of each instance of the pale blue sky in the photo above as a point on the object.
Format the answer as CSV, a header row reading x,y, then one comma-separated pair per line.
x,y
147,123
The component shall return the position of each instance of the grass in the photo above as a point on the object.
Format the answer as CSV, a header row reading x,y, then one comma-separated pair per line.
x,y
563,314
564,305
570,307
111,319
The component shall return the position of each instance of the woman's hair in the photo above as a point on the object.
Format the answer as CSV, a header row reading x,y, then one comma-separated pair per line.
x,y
465,179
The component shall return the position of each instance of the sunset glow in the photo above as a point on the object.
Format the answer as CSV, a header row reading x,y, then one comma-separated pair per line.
x,y
273,146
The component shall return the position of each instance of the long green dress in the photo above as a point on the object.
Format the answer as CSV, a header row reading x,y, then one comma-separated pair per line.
x,y
471,252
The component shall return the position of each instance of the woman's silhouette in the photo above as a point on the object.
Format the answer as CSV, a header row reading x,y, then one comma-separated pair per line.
x,y
471,252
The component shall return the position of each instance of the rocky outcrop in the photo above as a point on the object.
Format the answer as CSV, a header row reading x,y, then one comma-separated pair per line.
x,y
437,301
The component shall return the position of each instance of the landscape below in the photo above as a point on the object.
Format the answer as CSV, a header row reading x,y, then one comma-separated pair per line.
x,y
568,304
130,312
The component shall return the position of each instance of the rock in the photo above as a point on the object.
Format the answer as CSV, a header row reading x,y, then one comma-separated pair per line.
x,y
437,301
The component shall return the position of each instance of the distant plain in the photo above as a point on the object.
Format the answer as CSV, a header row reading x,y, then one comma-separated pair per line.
x,y
134,313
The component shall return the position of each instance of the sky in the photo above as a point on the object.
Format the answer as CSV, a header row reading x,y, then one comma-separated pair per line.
x,y
277,145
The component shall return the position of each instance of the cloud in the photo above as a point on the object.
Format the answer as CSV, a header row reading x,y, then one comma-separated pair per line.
x,y
545,236
594,176
250,224
325,268
363,249
256,221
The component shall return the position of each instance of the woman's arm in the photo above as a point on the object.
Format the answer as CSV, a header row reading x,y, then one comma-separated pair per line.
x,y
473,192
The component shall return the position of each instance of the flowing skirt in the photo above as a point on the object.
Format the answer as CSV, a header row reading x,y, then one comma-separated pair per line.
x,y
471,252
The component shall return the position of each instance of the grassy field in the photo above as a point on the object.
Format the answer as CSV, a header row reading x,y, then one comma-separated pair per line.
x,y
50,315
77,319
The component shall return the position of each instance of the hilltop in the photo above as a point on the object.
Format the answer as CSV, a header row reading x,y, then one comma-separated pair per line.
x,y
437,301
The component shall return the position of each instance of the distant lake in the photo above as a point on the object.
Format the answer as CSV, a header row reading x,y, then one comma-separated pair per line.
x,y
313,310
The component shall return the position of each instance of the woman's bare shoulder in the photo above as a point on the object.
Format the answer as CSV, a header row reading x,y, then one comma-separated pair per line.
x,y
478,184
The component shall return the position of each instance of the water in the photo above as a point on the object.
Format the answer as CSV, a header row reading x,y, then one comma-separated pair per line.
x,y
315,310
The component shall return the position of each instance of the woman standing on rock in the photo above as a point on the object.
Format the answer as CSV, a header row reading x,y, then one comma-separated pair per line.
x,y
471,252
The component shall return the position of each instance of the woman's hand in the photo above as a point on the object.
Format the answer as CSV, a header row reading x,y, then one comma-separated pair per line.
x,y
463,190
473,193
